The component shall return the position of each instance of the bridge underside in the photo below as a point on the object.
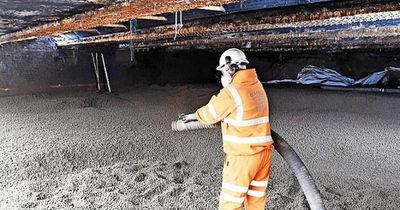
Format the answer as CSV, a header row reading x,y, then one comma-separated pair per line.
x,y
255,25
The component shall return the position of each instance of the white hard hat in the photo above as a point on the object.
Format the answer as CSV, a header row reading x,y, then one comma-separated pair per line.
x,y
232,56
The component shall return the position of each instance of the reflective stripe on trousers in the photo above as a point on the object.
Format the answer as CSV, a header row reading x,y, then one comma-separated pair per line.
x,y
245,180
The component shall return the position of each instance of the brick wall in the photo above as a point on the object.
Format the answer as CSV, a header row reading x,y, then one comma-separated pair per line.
x,y
37,66
34,66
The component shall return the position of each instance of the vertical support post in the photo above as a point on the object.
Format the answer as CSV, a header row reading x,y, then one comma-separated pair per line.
x,y
176,25
133,28
97,67
106,73
96,71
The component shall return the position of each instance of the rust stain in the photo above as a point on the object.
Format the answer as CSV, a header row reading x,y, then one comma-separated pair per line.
x,y
112,14
196,29
345,39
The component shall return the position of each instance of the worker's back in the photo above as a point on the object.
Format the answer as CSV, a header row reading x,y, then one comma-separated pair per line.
x,y
242,107
246,130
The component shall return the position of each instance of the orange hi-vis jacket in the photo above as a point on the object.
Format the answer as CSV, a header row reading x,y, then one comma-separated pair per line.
x,y
243,109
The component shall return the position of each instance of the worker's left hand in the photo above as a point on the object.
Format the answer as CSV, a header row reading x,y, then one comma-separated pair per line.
x,y
185,118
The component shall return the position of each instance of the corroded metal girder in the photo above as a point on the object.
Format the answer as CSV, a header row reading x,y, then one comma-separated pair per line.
x,y
351,39
297,20
112,14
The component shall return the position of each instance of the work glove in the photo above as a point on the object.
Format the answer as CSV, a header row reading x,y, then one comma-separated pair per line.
x,y
185,118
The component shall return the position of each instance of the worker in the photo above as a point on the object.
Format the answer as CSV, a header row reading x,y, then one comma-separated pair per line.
x,y
242,108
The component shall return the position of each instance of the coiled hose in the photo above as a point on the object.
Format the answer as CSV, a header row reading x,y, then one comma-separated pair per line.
x,y
286,151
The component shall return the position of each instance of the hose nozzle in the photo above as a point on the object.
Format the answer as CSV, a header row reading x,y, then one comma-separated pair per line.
x,y
193,125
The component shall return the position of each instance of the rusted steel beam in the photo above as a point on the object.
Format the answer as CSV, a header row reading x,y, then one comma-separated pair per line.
x,y
322,17
112,14
293,45
293,40
240,26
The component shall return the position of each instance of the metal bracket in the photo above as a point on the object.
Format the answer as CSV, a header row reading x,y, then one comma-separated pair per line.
x,y
178,25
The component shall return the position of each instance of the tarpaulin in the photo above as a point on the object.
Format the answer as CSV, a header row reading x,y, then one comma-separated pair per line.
x,y
312,75
390,77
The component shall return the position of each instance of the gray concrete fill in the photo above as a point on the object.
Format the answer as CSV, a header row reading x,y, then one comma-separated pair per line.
x,y
84,150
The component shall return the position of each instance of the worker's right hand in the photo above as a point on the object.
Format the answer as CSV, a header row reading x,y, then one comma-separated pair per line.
x,y
185,118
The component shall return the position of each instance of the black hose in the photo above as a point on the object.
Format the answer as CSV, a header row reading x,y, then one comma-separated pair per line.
x,y
288,154
300,171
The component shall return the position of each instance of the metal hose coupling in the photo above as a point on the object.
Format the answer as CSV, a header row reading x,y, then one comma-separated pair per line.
x,y
193,125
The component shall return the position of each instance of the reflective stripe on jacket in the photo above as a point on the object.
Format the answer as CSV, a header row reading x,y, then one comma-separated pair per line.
x,y
243,109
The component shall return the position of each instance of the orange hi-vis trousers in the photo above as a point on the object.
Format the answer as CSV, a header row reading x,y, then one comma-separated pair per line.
x,y
245,180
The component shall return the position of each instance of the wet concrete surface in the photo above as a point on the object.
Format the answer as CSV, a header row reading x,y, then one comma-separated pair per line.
x,y
83,150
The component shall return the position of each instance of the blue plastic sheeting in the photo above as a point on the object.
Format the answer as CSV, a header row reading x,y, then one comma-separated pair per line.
x,y
69,36
312,75
390,77
48,40
264,4
334,28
